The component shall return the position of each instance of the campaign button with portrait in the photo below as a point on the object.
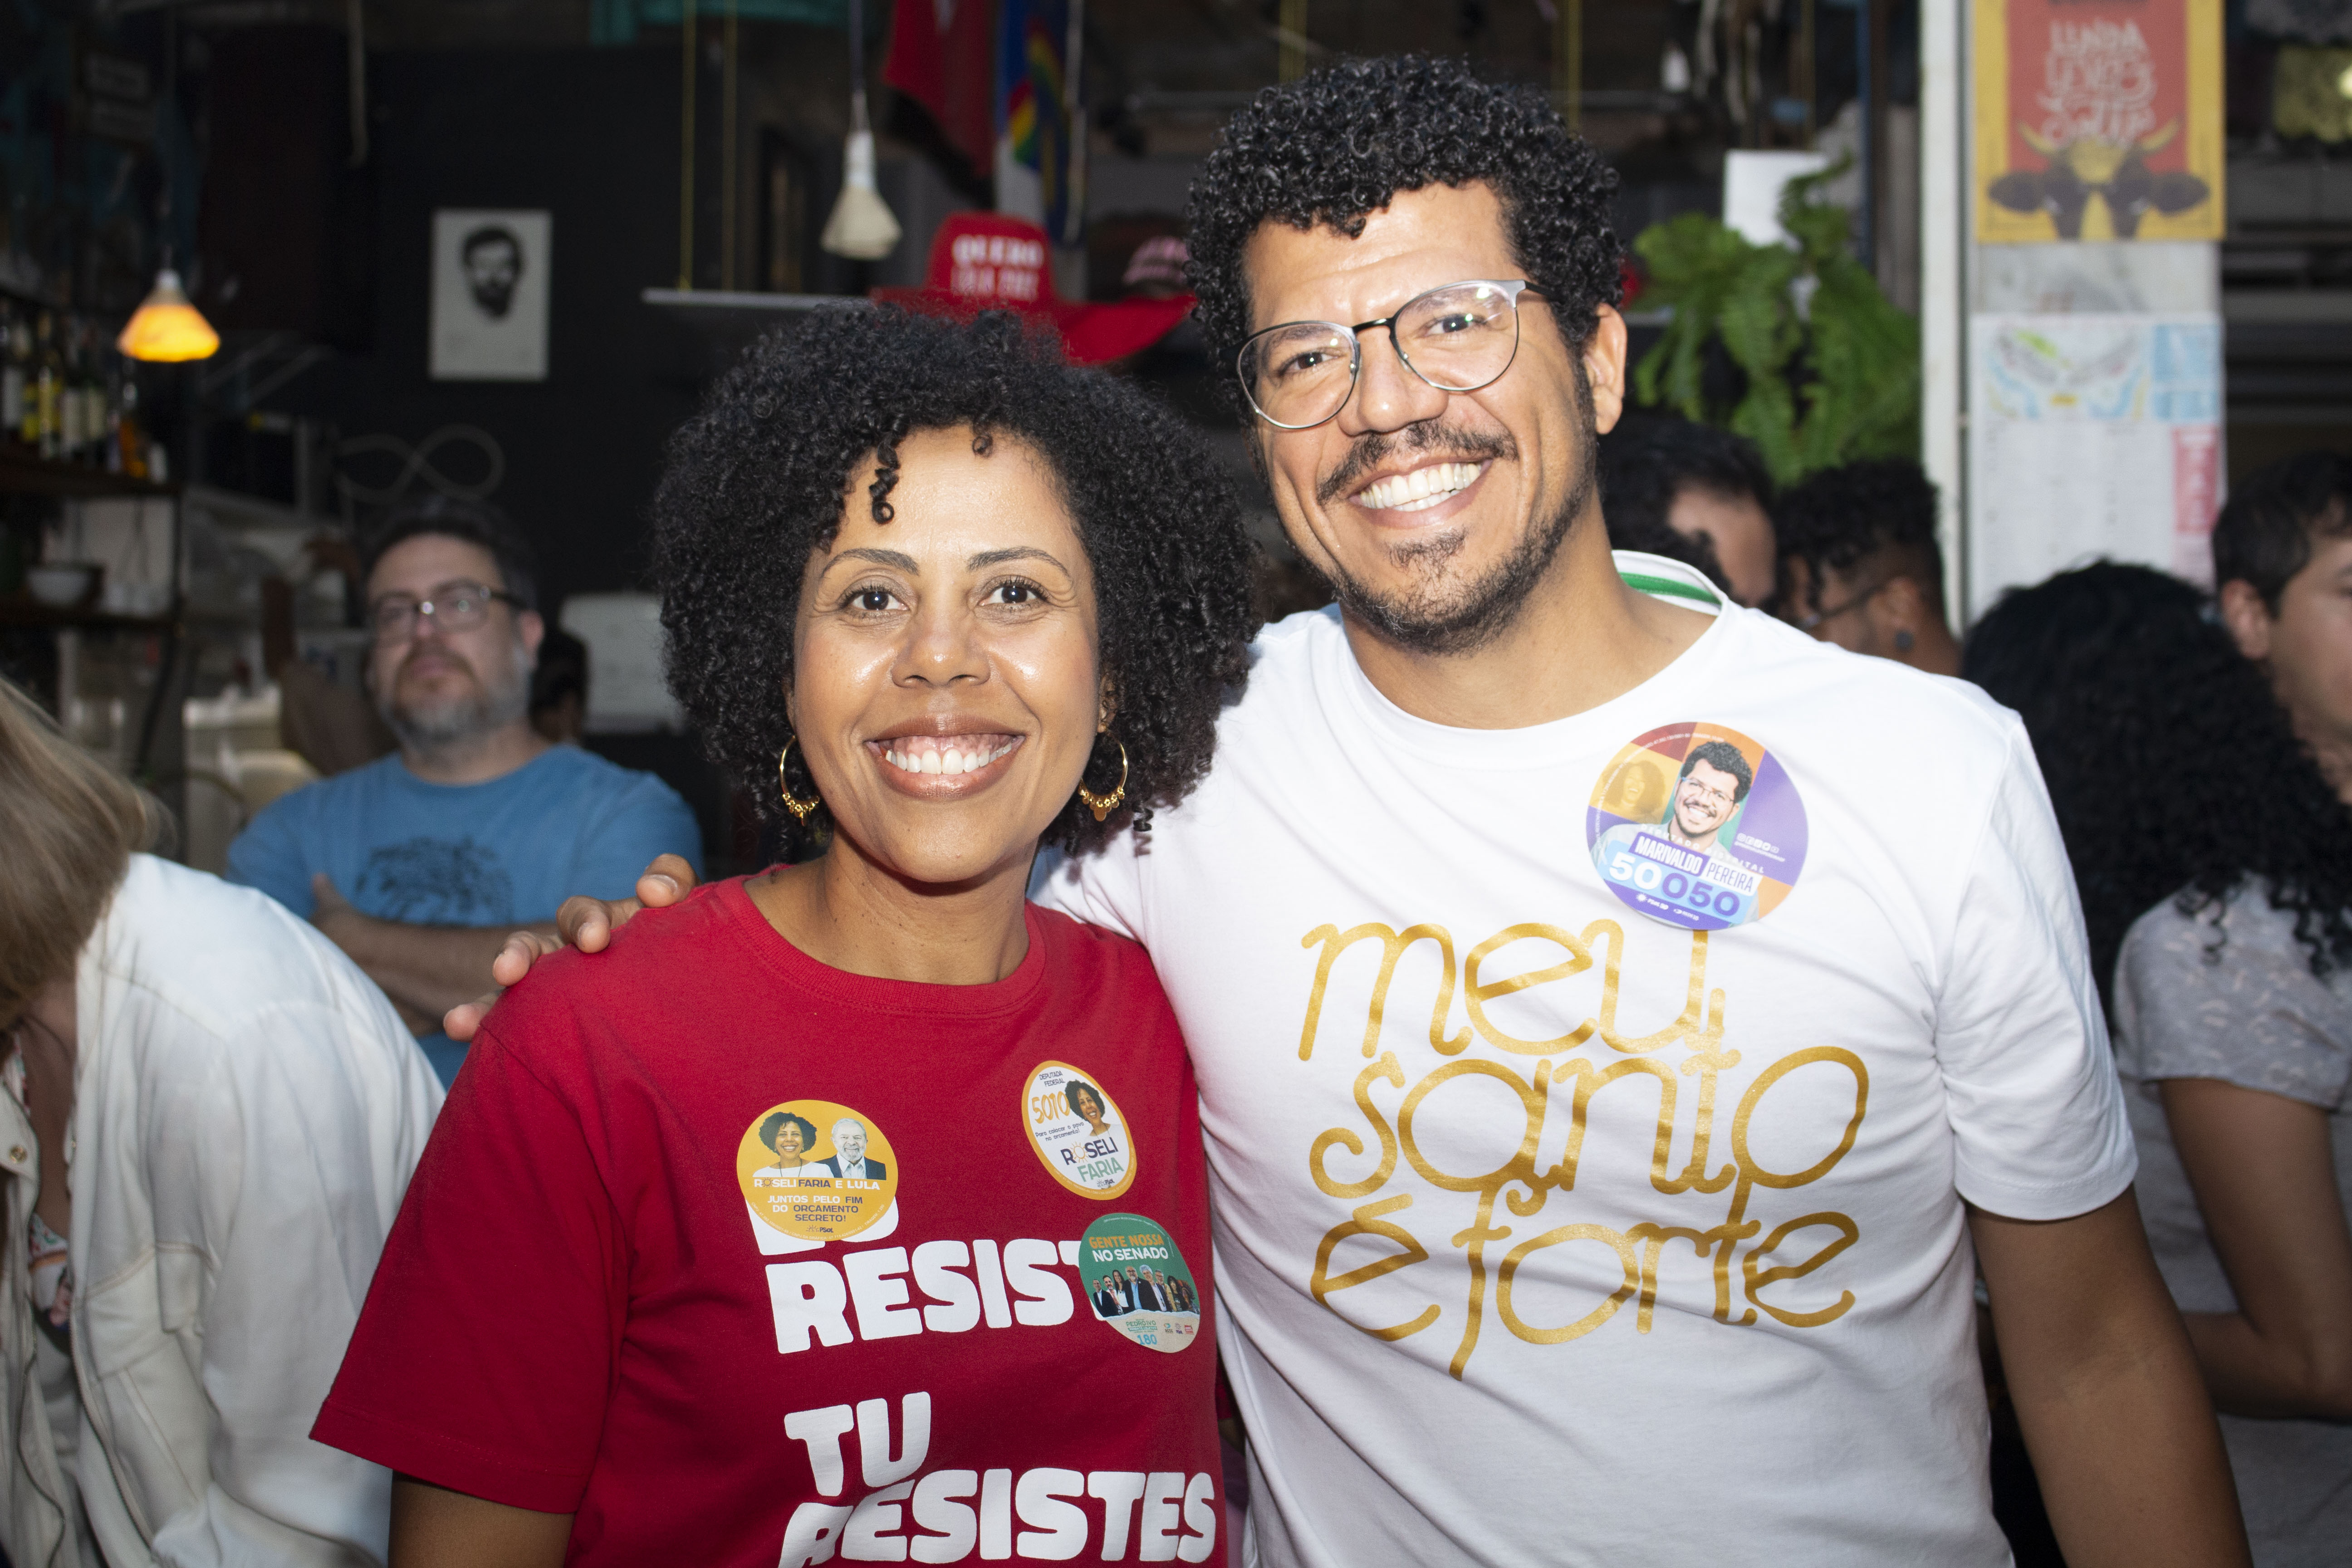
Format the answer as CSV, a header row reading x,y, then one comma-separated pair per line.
x,y
1696,825
1077,1132
1136,1280
815,1171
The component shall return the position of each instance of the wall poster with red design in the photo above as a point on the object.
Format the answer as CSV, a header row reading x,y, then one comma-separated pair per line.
x,y
2098,120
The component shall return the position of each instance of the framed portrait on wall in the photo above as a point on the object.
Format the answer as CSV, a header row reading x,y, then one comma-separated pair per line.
x,y
489,295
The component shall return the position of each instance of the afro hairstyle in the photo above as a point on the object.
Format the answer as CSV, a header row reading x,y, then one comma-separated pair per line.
x,y
1335,146
753,486
1875,517
2172,769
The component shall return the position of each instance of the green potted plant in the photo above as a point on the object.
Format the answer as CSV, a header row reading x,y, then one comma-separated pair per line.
x,y
1828,369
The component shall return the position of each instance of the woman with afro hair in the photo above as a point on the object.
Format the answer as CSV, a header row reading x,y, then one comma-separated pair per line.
x,y
932,598
2215,865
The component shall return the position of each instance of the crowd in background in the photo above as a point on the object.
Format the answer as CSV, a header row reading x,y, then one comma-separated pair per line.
x,y
230,1069
2198,752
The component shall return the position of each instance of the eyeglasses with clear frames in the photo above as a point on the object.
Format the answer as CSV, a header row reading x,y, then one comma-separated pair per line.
x,y
1457,338
1722,799
1807,621
458,607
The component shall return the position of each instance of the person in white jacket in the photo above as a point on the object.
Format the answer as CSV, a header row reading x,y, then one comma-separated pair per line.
x,y
211,1115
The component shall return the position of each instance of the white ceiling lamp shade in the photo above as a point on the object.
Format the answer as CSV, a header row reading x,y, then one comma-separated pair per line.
x,y
862,227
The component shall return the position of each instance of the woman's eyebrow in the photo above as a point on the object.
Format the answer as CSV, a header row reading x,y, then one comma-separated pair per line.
x,y
898,559
1018,552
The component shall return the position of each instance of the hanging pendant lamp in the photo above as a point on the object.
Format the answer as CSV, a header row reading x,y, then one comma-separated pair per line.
x,y
166,328
862,226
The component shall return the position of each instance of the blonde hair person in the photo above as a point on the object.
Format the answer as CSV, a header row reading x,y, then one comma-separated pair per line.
x,y
210,1115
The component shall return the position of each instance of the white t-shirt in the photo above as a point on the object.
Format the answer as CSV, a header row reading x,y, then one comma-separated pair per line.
x,y
1460,1334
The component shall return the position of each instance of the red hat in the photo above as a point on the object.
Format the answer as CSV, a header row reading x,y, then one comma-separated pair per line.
x,y
986,261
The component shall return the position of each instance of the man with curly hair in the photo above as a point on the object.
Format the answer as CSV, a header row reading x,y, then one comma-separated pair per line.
x,y
1483,1303
1657,1242
1860,566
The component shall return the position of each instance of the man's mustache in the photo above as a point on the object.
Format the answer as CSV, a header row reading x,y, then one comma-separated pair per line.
x,y
409,663
1430,437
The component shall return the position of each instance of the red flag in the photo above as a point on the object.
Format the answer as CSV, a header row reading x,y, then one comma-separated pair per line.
x,y
942,55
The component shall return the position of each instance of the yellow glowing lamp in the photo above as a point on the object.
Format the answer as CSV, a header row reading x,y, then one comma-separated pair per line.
x,y
166,328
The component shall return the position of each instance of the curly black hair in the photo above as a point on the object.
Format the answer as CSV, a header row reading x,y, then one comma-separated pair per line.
x,y
1879,513
1647,461
754,485
2172,768
1335,146
1724,758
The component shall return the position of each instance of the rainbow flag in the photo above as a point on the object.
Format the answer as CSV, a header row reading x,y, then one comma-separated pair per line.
x,y
1037,156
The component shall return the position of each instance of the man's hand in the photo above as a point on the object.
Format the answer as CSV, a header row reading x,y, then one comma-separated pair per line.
x,y
583,922
337,921
423,969
352,931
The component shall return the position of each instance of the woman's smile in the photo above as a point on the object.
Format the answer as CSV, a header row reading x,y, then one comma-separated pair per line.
x,y
937,767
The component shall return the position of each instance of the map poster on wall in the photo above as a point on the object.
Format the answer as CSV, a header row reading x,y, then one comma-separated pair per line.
x,y
2091,436
2098,120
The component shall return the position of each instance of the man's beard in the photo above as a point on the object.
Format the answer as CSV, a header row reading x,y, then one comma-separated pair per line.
x,y
444,722
1436,616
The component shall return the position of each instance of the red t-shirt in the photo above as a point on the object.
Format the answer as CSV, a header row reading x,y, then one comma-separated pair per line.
x,y
724,1251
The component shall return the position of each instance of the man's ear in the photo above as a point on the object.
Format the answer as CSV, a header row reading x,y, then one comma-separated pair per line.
x,y
2247,618
1886,617
532,629
1605,368
1905,606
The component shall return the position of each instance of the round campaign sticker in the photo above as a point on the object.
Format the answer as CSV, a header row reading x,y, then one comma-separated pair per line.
x,y
1076,1127
1136,1282
815,1170
1696,825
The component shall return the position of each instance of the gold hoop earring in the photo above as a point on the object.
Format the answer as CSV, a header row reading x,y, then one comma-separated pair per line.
x,y
801,809
1102,806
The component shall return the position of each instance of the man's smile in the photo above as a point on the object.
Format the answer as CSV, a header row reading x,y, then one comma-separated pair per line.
x,y
1420,490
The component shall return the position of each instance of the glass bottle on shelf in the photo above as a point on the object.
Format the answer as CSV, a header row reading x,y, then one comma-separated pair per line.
x,y
70,434
29,414
127,453
93,395
15,350
48,392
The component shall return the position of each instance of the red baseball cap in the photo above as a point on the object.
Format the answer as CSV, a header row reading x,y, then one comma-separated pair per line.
x,y
986,261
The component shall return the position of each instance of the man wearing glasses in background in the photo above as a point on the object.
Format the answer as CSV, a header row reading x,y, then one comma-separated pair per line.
x,y
418,865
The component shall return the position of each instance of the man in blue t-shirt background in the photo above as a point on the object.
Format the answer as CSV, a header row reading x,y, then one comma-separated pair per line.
x,y
420,864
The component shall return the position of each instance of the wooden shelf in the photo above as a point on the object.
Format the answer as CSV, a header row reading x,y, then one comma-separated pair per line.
x,y
22,473
22,612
